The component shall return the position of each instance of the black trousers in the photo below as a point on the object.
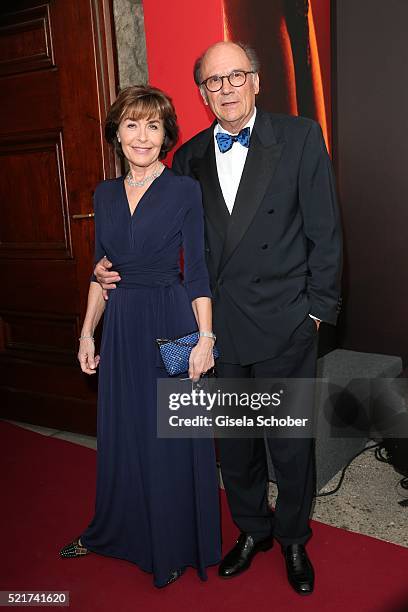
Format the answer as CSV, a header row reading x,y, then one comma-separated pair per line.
x,y
244,464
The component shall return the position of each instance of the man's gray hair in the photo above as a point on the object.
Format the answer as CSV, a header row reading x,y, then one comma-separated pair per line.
x,y
249,52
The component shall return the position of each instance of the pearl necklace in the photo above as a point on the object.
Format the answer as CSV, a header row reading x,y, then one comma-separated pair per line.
x,y
133,183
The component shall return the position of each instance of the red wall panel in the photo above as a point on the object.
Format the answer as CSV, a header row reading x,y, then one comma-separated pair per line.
x,y
177,32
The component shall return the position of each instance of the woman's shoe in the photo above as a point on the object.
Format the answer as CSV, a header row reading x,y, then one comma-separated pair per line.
x,y
74,549
173,577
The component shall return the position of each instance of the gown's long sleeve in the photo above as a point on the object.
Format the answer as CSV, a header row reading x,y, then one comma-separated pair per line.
x,y
196,279
99,251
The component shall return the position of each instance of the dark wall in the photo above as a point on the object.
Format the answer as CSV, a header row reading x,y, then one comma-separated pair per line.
x,y
371,157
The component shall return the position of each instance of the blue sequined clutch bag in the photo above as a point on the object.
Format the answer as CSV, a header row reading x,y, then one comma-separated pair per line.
x,y
176,353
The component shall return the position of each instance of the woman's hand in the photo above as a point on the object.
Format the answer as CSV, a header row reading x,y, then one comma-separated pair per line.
x,y
86,356
201,358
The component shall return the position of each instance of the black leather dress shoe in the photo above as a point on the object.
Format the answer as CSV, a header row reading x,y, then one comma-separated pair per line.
x,y
299,568
240,557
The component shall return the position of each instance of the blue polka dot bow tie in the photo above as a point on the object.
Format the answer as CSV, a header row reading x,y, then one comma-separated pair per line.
x,y
225,141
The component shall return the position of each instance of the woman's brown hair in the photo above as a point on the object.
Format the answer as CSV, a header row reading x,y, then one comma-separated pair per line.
x,y
142,102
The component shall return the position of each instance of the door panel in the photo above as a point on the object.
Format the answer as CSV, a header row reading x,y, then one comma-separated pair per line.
x,y
44,230
25,40
57,76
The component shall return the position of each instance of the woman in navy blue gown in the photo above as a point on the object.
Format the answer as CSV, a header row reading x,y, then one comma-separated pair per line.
x,y
157,498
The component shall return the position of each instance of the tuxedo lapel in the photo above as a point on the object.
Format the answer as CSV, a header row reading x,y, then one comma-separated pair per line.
x,y
216,211
262,159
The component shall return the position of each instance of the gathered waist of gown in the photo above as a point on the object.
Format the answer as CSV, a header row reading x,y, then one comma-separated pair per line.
x,y
133,276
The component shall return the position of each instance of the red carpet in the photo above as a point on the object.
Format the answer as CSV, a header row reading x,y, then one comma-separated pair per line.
x,y
48,488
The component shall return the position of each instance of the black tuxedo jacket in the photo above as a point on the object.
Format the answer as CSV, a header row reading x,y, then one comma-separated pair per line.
x,y
277,257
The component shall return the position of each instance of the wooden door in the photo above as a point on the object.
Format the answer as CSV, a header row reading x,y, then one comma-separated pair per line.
x,y
57,78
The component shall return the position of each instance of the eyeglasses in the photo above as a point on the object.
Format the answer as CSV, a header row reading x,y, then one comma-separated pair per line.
x,y
236,79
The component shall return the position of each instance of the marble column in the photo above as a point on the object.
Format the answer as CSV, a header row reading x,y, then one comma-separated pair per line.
x,y
130,42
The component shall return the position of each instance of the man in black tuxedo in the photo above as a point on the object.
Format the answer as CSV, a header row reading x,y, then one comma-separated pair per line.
x,y
273,246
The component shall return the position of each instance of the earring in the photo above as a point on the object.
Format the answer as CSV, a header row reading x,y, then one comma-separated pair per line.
x,y
118,138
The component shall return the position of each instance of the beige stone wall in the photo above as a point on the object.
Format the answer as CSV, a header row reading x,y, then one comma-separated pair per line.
x,y
130,41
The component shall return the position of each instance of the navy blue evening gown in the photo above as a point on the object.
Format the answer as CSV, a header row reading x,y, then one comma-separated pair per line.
x,y
156,498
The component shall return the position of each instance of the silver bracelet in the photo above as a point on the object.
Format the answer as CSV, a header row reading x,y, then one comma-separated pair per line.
x,y
205,334
86,337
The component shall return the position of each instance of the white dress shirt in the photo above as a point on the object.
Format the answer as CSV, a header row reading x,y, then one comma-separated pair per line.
x,y
231,164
